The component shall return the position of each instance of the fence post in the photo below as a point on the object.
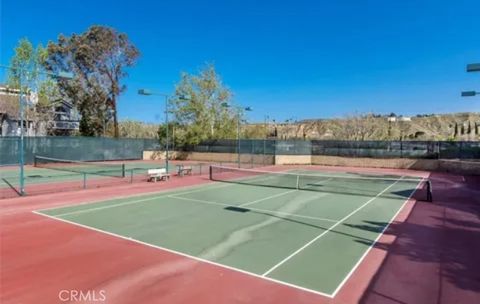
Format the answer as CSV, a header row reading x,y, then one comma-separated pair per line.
x,y
252,142
263,158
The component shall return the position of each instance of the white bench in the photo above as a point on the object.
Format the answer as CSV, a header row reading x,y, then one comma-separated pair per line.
x,y
158,174
184,170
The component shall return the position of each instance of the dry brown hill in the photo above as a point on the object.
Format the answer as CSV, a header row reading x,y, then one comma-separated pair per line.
x,y
456,126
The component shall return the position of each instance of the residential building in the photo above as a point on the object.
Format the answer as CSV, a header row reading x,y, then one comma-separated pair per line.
x,y
64,118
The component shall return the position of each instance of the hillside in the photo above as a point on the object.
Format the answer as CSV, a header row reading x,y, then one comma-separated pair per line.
x,y
457,126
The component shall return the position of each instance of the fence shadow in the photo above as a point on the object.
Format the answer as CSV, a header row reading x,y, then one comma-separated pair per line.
x,y
438,243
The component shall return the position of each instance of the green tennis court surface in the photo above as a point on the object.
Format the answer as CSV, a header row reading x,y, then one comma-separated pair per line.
x,y
306,239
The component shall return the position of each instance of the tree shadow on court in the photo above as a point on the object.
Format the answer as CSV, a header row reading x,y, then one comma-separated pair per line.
x,y
440,242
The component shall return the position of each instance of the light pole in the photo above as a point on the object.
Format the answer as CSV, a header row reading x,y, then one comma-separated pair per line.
x,y
147,92
239,109
470,93
473,67
21,156
166,96
266,118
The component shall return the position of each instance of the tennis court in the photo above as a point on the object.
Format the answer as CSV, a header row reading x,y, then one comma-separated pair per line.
x,y
48,170
50,174
297,228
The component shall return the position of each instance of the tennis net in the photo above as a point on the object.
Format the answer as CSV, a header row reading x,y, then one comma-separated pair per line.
x,y
111,170
391,186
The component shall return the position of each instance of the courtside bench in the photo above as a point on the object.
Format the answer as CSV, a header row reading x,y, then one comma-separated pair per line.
x,y
158,174
184,170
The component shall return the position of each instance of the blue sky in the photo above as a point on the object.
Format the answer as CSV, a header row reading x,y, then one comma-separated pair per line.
x,y
286,59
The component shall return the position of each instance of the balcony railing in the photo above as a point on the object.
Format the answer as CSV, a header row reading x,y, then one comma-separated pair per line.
x,y
65,125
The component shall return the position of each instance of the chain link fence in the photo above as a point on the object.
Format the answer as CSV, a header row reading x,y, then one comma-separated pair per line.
x,y
105,149
246,146
372,149
75,148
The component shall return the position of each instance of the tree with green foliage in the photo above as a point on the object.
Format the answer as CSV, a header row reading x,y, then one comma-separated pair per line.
x,y
203,115
97,58
23,65
176,134
27,70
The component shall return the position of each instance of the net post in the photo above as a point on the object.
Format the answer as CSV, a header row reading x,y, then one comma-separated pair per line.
x,y
84,180
34,160
210,173
123,170
131,176
298,182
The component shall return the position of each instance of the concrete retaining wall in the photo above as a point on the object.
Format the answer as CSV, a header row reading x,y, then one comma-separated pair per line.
x,y
452,166
395,163
293,159
459,167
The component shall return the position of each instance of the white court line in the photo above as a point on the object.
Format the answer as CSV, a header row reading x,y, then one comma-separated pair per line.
x,y
236,269
266,198
165,194
152,194
326,231
187,255
373,244
157,194
254,209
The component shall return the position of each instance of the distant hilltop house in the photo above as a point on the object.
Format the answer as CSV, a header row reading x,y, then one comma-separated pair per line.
x,y
398,118
66,119
62,119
